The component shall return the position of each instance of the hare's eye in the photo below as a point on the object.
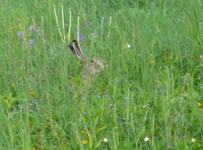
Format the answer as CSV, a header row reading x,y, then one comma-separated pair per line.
x,y
91,60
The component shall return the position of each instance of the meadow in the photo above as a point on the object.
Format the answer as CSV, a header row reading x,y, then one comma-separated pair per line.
x,y
150,95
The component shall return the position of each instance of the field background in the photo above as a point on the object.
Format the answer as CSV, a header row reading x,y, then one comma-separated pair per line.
x,y
152,87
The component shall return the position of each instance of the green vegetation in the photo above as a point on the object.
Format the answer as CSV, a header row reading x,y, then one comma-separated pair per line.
x,y
149,97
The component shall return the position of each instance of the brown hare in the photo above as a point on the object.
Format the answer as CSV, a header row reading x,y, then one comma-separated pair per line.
x,y
91,67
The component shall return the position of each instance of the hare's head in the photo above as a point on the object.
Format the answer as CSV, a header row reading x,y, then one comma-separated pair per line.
x,y
91,67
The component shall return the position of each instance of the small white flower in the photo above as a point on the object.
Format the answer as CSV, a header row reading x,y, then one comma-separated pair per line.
x,y
201,57
105,140
193,140
146,139
128,46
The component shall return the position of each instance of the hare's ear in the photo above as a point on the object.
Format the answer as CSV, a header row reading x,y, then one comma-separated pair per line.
x,y
75,48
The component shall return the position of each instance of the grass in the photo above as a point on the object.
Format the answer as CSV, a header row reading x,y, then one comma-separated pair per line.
x,y
152,87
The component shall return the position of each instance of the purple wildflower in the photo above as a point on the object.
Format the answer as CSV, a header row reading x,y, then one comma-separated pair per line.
x,y
31,42
82,37
20,34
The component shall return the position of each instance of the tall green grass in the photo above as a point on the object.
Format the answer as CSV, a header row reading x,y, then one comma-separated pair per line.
x,y
152,87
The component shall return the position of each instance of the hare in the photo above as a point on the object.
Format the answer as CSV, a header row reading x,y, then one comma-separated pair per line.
x,y
91,67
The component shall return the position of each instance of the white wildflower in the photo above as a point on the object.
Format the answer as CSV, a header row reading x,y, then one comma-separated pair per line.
x,y
193,140
146,139
105,140
128,46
